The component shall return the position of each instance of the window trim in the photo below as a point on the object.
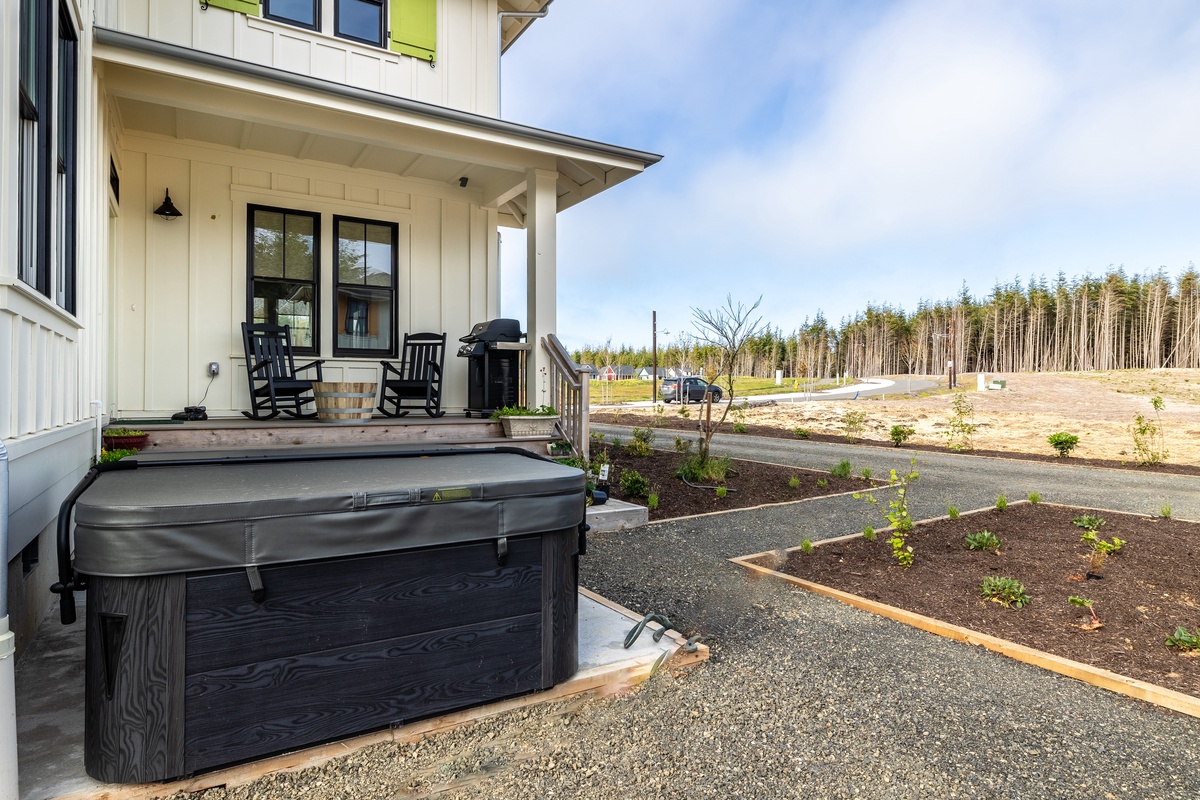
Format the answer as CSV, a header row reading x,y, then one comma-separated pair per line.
x,y
251,208
316,26
391,351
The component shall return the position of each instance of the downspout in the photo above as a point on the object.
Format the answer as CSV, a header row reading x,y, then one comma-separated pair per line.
x,y
8,655
500,17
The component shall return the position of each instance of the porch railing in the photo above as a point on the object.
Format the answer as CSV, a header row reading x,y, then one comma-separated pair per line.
x,y
569,386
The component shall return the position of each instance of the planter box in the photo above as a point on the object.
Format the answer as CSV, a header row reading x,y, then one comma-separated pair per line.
x,y
124,442
528,427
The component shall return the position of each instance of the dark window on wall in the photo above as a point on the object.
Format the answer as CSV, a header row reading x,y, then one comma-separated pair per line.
x,y
67,135
365,287
34,146
284,268
305,13
360,20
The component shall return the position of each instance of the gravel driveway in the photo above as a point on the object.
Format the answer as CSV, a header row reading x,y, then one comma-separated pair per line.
x,y
804,696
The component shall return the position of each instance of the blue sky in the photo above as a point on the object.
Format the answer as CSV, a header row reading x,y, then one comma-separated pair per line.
x,y
827,155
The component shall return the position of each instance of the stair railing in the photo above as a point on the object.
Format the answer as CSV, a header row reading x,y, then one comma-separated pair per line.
x,y
569,387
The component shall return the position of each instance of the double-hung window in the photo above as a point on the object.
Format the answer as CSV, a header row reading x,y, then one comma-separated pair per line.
x,y
305,13
67,133
365,292
284,261
33,244
360,20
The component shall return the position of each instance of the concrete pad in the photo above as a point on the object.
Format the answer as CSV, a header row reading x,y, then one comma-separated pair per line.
x,y
50,698
616,515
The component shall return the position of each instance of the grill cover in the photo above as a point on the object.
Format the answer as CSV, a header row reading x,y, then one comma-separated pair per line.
x,y
161,520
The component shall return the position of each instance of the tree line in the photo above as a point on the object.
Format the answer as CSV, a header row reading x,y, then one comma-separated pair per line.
x,y
1115,321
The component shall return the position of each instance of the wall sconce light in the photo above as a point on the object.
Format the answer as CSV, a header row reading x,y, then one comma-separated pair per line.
x,y
462,182
167,210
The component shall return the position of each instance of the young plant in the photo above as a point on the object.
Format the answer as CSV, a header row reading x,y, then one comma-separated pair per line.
x,y
897,513
958,434
1098,544
1088,522
1001,502
984,540
722,491
866,473
806,547
1005,591
1164,511
822,483
900,434
683,445
1063,443
801,433
1083,602
652,501
1034,498
739,427
642,442
869,534
633,484
852,425
794,482
1184,640
1149,442
842,470
739,417
952,511
683,412
117,454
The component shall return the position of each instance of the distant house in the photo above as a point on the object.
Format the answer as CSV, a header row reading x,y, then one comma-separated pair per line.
x,y
645,373
617,373
675,372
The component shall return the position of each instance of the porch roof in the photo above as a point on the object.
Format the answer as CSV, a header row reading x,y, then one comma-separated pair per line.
x,y
178,92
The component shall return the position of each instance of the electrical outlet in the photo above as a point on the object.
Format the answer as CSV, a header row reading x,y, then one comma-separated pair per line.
x,y
214,369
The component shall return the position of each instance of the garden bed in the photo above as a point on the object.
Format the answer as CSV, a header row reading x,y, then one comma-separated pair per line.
x,y
1148,589
748,483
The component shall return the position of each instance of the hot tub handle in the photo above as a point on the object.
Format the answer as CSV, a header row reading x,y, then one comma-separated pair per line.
x,y
68,581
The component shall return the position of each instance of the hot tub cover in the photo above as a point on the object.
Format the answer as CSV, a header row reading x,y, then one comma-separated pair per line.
x,y
168,519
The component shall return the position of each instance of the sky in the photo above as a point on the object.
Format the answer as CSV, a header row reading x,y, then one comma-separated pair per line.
x,y
827,155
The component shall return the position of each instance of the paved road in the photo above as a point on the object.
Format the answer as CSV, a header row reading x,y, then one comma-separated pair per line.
x,y
970,481
869,387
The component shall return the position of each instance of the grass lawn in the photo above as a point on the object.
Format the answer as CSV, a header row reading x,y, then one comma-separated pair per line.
x,y
634,390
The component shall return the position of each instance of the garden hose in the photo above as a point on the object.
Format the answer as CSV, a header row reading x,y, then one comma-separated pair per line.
x,y
637,629
698,486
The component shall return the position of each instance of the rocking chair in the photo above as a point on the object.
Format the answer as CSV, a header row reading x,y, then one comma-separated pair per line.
x,y
418,381
275,385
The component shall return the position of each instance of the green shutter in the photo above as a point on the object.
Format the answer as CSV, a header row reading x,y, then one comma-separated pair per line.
x,y
414,28
245,6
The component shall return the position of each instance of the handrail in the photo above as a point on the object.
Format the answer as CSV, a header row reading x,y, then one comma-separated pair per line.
x,y
569,386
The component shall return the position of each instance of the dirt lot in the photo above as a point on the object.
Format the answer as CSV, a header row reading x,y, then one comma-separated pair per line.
x,y
1099,407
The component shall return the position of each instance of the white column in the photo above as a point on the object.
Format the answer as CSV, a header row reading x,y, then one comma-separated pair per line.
x,y
541,279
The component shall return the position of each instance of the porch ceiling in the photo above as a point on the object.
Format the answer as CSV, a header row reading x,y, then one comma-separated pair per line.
x,y
176,93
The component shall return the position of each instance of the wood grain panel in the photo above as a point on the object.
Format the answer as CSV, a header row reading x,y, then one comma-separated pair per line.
x,y
325,605
137,735
244,712
560,606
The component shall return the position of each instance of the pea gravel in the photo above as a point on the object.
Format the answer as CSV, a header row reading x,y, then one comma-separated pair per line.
x,y
802,697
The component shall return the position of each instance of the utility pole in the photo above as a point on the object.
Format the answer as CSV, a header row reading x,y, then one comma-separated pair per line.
x,y
952,375
654,351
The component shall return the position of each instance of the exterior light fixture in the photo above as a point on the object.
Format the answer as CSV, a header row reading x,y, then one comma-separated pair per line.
x,y
167,210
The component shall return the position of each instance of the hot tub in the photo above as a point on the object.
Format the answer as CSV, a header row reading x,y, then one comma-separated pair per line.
x,y
248,607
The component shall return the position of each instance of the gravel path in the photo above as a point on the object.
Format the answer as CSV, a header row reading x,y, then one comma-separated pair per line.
x,y
804,696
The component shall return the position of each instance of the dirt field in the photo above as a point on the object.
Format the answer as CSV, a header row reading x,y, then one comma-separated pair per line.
x,y
1099,407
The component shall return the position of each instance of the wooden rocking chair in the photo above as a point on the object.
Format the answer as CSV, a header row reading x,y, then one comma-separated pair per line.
x,y
275,385
418,381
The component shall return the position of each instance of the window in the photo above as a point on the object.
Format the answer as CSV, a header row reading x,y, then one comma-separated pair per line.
x,y
361,20
34,147
305,13
365,287
65,218
283,271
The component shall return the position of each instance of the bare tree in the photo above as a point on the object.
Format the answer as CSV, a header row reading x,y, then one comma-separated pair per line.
x,y
726,329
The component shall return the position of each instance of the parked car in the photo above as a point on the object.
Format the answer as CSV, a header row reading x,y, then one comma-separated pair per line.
x,y
692,392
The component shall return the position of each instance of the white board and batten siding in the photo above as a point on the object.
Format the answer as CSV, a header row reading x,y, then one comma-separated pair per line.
x,y
463,76
180,287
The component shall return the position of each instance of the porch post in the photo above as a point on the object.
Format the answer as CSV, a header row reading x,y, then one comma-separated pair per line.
x,y
541,280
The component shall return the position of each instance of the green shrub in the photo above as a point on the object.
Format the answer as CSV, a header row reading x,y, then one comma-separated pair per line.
x,y
633,484
869,533
866,473
739,427
1034,498
107,456
640,445
901,434
1005,591
1184,640
958,433
683,445
852,425
1063,443
1164,511
696,470
652,501
806,547
1001,502
1101,546
822,483
1088,522
952,511
1149,443
683,412
794,482
801,433
842,470
984,540
722,491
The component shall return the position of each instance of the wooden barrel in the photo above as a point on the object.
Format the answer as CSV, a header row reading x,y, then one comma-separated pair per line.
x,y
344,402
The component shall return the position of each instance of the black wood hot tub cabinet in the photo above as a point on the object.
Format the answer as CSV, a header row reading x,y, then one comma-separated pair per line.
x,y
243,607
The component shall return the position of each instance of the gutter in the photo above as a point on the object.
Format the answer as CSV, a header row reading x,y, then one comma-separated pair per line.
x,y
153,47
8,655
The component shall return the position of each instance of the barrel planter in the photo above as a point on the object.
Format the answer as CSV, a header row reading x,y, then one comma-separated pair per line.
x,y
342,402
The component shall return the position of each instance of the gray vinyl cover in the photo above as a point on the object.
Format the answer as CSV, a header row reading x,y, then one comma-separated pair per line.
x,y
161,520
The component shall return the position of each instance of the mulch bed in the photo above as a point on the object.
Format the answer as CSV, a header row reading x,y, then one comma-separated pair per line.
x,y
748,483
1148,588
768,431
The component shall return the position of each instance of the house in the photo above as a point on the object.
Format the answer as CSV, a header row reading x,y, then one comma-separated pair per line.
x,y
175,168
646,373
617,373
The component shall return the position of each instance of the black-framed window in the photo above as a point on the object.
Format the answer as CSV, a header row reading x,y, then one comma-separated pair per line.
x,y
66,217
365,286
34,146
305,13
284,272
360,20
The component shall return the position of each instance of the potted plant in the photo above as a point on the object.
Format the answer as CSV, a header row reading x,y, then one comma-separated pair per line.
x,y
523,423
123,439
